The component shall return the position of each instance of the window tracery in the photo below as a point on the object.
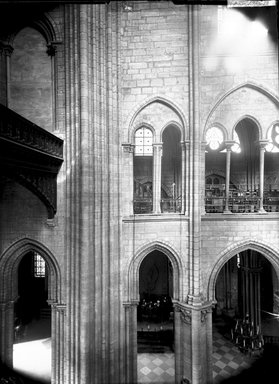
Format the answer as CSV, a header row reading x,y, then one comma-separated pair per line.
x,y
143,142
273,137
214,138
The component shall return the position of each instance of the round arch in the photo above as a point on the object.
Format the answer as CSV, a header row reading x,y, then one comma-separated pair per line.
x,y
162,100
9,263
266,250
133,270
45,26
251,118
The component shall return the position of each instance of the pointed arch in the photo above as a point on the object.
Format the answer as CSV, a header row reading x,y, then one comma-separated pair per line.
x,y
174,124
271,253
10,261
157,99
254,120
248,84
134,267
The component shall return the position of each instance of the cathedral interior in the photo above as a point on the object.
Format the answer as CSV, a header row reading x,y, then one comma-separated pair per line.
x,y
139,191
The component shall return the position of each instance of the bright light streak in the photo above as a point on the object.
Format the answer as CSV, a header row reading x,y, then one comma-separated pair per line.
x,y
238,40
33,359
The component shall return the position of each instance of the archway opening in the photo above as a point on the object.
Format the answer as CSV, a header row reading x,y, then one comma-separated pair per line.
x,y
32,319
155,326
245,316
171,170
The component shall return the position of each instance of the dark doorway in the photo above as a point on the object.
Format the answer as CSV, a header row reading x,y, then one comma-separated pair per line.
x,y
155,310
32,319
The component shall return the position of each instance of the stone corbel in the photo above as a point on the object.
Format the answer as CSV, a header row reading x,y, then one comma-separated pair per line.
x,y
128,148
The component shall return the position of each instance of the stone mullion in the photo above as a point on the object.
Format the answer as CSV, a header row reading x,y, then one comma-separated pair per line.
x,y
202,205
262,145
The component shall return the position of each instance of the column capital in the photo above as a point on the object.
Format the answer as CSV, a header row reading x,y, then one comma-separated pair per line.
x,y
185,144
203,145
229,144
263,143
128,148
6,48
157,144
52,48
59,307
130,304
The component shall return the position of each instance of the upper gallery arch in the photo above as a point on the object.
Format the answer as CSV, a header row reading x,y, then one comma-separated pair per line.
x,y
159,113
247,99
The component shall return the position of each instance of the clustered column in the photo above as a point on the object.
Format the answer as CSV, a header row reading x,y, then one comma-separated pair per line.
x,y
250,286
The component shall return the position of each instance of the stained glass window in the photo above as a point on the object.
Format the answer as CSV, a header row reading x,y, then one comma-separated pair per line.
x,y
214,138
39,266
143,142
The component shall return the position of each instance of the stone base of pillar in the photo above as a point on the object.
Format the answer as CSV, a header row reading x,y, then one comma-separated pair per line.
x,y
262,211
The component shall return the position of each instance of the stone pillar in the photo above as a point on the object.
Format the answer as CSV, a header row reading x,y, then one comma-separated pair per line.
x,y
7,332
183,175
203,145
52,52
262,144
6,51
57,342
157,169
128,175
94,336
195,343
250,286
229,145
131,363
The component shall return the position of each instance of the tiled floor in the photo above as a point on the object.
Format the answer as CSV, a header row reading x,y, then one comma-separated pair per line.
x,y
156,368
227,361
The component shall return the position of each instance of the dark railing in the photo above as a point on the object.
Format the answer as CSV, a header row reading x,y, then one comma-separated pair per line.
x,y
170,204
240,199
143,205
16,128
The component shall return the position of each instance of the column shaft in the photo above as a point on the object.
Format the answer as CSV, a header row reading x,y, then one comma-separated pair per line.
x,y
157,169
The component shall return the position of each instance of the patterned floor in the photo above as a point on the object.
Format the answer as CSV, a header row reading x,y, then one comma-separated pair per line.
x,y
156,368
227,361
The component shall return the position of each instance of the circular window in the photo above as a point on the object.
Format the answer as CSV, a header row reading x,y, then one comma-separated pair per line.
x,y
214,138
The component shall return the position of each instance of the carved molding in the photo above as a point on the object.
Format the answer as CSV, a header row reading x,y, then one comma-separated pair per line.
x,y
128,148
16,128
186,315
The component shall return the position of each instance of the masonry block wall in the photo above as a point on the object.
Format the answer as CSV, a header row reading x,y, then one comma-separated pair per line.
x,y
119,66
